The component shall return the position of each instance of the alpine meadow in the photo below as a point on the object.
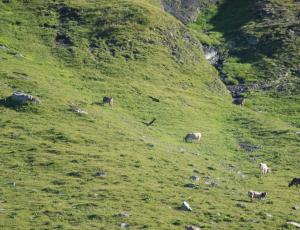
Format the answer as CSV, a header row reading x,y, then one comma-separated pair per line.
x,y
149,114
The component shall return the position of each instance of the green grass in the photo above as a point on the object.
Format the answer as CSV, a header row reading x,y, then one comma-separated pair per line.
x,y
257,35
131,50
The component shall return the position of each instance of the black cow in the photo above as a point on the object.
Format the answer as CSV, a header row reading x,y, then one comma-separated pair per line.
x,y
295,181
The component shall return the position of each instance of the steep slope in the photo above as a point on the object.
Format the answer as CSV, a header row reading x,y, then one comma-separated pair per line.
x,y
74,53
261,38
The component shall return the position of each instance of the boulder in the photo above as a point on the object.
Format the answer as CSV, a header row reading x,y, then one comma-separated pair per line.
x,y
191,227
211,54
124,225
190,185
122,215
241,205
186,207
77,110
195,178
100,174
297,225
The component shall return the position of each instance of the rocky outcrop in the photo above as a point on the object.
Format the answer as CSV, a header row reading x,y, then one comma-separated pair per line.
x,y
186,10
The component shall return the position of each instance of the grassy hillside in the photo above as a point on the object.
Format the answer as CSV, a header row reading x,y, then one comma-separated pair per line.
x,y
258,39
74,53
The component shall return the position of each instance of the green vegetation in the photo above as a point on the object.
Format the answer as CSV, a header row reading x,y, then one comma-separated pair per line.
x,y
76,52
263,34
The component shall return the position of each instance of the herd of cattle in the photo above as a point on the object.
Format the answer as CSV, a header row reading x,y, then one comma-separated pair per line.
x,y
190,137
196,136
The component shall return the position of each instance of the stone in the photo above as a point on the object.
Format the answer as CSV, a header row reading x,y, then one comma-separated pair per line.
x,y
122,215
252,40
241,205
3,47
297,225
295,207
268,215
100,174
190,185
124,225
19,55
195,178
191,227
211,54
186,207
77,110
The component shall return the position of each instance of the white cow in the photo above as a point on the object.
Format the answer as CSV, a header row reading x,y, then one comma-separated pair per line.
x,y
257,195
264,168
192,136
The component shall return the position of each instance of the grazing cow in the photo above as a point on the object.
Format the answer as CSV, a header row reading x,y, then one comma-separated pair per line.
x,y
22,98
108,100
257,195
192,136
295,181
264,168
239,101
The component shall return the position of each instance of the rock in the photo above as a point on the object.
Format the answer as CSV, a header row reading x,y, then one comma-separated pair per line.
x,y
214,184
77,110
19,55
191,227
211,54
241,205
268,215
100,174
74,174
298,133
186,207
252,40
297,225
122,215
190,185
4,47
195,178
231,166
295,207
2,210
124,225
249,147
241,174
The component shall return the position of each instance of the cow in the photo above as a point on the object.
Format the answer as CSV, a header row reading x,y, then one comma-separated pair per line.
x,y
23,98
108,100
257,195
192,136
239,101
295,181
264,168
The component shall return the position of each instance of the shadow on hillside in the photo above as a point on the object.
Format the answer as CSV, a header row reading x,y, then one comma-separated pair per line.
x,y
230,19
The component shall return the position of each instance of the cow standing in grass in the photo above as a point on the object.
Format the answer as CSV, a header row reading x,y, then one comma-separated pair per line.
x,y
264,168
295,181
108,100
239,101
257,195
192,136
